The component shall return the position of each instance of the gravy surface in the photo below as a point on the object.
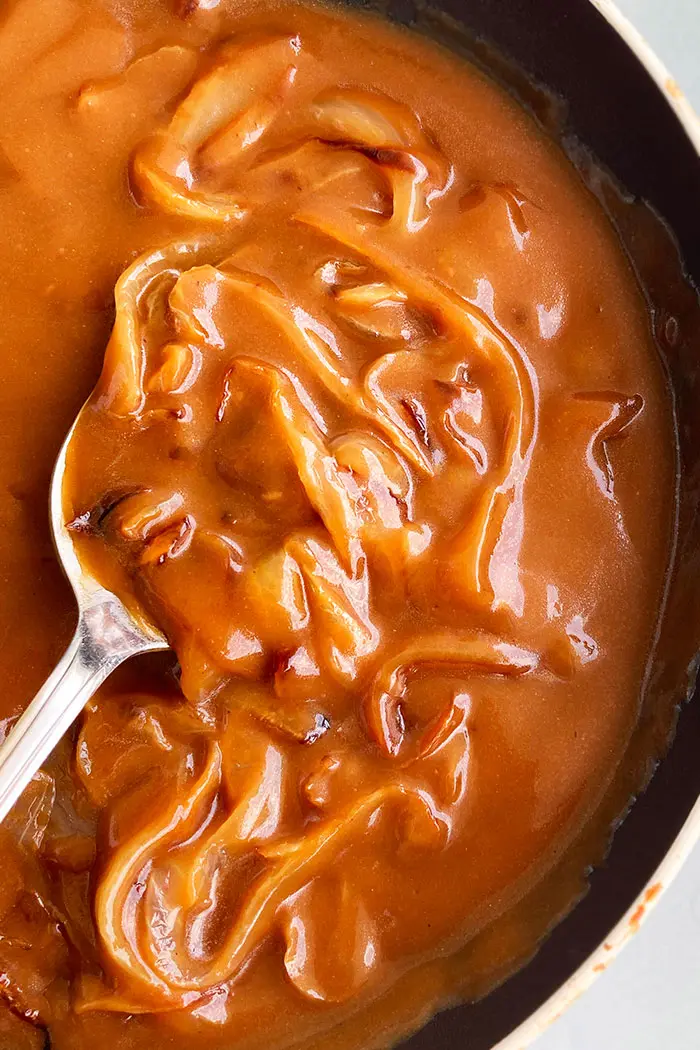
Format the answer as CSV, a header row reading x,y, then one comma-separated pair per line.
x,y
382,442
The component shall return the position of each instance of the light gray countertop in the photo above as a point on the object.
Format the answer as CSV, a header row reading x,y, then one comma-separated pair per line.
x,y
649,999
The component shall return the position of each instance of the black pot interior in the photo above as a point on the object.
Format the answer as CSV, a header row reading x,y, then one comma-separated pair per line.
x,y
611,105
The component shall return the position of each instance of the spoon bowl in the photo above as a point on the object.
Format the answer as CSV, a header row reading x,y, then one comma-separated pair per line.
x,y
107,634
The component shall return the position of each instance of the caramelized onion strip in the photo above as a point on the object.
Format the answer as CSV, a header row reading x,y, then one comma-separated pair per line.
x,y
226,112
389,133
317,349
468,651
121,386
475,545
318,470
159,980
120,888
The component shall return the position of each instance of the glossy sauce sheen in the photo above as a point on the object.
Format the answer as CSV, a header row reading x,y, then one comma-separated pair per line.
x,y
382,442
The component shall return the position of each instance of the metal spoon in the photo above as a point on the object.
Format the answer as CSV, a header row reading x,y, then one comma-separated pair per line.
x,y
107,634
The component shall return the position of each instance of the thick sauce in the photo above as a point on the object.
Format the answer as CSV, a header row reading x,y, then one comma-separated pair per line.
x,y
382,443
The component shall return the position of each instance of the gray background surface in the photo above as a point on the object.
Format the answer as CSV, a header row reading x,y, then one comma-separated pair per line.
x,y
649,999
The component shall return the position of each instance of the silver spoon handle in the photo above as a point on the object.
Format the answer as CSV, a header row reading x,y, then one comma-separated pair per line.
x,y
105,637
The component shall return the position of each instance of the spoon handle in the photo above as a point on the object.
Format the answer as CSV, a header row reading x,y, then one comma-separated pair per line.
x,y
105,637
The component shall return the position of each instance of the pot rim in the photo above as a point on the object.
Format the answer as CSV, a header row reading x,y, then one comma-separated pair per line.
x,y
599,960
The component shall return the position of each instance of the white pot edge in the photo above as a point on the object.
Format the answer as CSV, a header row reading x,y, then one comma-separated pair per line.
x,y
596,963
636,42
524,1035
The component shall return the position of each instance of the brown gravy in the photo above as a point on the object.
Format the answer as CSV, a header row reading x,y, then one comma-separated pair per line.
x,y
383,443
